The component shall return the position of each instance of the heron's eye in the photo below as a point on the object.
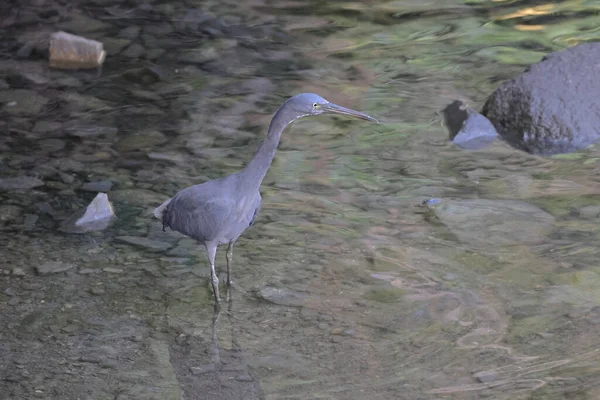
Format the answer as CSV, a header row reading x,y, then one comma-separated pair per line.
x,y
315,105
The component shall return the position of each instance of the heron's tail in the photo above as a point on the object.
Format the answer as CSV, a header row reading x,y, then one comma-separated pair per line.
x,y
160,210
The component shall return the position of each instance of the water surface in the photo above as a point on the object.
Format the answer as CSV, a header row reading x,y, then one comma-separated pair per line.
x,y
346,287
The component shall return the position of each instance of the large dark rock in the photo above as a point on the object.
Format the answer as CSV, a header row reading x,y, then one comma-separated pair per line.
x,y
554,106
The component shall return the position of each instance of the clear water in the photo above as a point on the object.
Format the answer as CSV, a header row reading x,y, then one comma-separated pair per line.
x,y
346,288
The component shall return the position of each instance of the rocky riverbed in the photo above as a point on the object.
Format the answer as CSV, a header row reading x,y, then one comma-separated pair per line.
x,y
346,287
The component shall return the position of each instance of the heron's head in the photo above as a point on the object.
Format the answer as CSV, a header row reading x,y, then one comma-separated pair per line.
x,y
305,104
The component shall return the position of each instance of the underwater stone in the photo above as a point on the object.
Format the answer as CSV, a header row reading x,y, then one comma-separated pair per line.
x,y
53,267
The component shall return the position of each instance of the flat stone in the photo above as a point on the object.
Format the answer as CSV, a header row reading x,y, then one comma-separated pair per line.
x,y
85,131
151,245
47,126
22,102
131,32
115,45
281,296
20,183
98,186
136,50
53,267
483,222
18,271
80,24
9,212
203,369
113,270
141,140
589,211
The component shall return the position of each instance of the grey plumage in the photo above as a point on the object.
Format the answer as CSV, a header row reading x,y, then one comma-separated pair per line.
x,y
219,211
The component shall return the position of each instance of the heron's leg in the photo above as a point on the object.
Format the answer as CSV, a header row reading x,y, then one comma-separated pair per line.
x,y
211,250
229,260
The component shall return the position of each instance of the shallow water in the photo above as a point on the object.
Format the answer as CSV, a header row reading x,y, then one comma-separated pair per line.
x,y
346,287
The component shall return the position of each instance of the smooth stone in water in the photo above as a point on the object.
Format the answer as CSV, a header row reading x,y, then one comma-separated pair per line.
x,y
98,186
20,183
22,101
589,211
482,222
283,297
9,212
53,267
149,244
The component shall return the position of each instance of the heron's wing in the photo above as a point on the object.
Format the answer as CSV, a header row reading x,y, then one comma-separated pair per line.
x,y
256,211
198,214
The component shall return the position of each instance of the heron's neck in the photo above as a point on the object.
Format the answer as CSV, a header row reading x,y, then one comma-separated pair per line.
x,y
257,168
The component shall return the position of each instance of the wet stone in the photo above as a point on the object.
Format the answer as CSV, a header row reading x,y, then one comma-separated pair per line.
x,y
131,32
53,267
52,145
98,186
203,369
113,270
20,183
284,297
148,244
9,212
46,127
18,271
136,50
142,139
97,290
589,211
22,101
115,45
87,271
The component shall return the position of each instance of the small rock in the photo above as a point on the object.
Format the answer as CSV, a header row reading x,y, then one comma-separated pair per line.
x,y
13,301
9,291
203,369
136,50
98,186
131,32
486,376
30,220
52,145
86,271
20,183
284,297
85,131
589,211
9,212
467,128
109,364
97,290
18,271
53,267
70,328
142,139
149,244
113,270
23,102
46,127
115,45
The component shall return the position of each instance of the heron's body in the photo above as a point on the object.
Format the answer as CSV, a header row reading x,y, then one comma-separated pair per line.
x,y
219,211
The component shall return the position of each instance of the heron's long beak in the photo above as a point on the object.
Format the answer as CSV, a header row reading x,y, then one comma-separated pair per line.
x,y
334,108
